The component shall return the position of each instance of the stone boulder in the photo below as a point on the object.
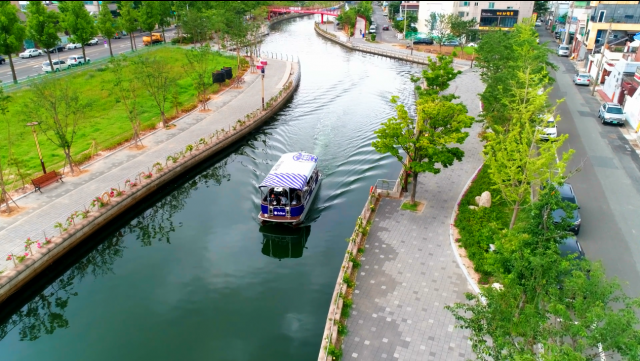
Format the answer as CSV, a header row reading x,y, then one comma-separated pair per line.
x,y
484,200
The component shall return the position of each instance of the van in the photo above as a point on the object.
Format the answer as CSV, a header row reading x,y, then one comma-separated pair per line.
x,y
372,29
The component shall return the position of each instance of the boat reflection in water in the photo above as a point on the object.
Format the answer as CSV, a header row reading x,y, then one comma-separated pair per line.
x,y
284,242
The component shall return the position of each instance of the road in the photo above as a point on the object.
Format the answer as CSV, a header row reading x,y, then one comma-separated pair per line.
x,y
608,185
386,36
29,67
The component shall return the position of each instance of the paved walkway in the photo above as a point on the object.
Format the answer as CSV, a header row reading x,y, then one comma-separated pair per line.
x,y
409,272
59,200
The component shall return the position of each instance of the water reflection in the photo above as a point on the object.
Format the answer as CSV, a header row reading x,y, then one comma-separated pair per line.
x,y
281,242
44,314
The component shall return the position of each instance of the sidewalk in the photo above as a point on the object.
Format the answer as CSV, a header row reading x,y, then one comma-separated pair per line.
x,y
409,272
59,200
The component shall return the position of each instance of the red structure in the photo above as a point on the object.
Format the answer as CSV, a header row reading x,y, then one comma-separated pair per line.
x,y
303,10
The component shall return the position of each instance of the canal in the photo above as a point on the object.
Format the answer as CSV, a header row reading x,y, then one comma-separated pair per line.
x,y
190,274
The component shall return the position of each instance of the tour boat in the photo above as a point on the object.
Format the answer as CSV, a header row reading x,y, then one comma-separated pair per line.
x,y
288,190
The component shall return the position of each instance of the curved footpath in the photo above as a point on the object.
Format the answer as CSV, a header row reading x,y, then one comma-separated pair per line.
x,y
59,200
409,271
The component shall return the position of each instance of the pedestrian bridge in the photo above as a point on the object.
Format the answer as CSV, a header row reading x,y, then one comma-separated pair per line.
x,y
304,10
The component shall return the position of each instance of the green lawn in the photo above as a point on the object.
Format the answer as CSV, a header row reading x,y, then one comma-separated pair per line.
x,y
106,122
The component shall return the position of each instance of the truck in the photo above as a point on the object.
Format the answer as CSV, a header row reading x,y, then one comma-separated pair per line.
x,y
155,38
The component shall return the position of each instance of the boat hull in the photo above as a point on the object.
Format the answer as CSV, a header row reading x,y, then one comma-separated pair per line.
x,y
265,218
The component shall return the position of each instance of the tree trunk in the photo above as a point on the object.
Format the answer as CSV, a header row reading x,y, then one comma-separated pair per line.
x,y
131,41
134,41
164,119
405,181
67,153
13,69
4,196
50,62
110,50
414,186
516,208
84,55
164,39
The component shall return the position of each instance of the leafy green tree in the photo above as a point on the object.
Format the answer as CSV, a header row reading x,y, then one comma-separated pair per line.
x,y
154,75
199,67
548,307
107,25
129,20
541,7
4,195
462,29
59,110
348,18
440,23
12,33
78,22
436,78
148,15
126,89
165,14
197,25
43,26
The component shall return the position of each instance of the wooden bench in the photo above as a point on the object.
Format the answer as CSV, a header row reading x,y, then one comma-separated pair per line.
x,y
46,179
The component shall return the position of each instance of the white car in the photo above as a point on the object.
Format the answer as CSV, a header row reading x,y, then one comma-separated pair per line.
x,y
93,41
563,50
73,46
550,130
30,53
74,60
57,66
538,23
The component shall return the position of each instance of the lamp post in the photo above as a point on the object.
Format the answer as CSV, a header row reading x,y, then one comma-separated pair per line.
x,y
35,137
262,66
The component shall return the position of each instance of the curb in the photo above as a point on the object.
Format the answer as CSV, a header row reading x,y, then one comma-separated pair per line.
x,y
470,280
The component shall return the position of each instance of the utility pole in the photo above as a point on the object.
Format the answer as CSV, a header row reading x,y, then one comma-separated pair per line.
x,y
597,80
405,19
568,27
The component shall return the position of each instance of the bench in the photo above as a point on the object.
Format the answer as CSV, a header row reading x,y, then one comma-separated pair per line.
x,y
46,179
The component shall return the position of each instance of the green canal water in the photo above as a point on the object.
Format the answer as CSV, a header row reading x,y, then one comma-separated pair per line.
x,y
190,274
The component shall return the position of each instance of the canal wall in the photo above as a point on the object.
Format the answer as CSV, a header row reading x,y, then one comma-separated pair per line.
x,y
371,50
110,205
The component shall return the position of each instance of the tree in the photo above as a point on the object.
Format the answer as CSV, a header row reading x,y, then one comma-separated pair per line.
x,y
78,22
107,25
541,7
197,25
548,307
148,15
129,20
517,160
440,24
462,29
59,110
126,90
199,68
165,14
4,195
12,33
155,77
437,77
43,26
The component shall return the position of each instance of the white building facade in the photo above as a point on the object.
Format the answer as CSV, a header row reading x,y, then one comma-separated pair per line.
x,y
427,8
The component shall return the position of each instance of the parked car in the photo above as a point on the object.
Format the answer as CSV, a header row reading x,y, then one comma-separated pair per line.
x,y
550,129
73,46
570,246
29,53
582,79
611,113
93,41
451,43
58,48
563,50
372,29
567,195
385,28
75,60
57,66
538,23
2,60
426,41
557,35
118,35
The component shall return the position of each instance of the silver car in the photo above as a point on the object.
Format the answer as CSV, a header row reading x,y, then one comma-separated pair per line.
x,y
582,79
611,113
563,50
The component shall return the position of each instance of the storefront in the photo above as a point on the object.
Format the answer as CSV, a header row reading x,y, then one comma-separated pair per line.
x,y
494,18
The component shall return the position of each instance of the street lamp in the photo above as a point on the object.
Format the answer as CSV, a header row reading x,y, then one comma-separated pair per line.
x,y
262,66
35,137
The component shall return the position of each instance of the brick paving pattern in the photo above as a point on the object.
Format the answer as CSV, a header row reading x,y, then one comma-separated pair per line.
x,y
61,199
409,272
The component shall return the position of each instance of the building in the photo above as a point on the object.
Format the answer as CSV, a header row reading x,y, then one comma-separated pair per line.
x,y
503,14
427,8
409,7
631,102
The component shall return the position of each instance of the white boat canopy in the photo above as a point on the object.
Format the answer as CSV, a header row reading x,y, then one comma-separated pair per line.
x,y
292,171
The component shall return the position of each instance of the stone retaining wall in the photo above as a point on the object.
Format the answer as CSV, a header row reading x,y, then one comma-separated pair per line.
x,y
12,280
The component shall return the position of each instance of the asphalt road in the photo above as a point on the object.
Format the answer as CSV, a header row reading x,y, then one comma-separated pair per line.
x,y
386,36
33,66
608,185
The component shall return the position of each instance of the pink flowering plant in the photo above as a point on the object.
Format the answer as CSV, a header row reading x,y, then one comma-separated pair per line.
x,y
147,175
97,202
27,245
131,184
11,257
116,192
